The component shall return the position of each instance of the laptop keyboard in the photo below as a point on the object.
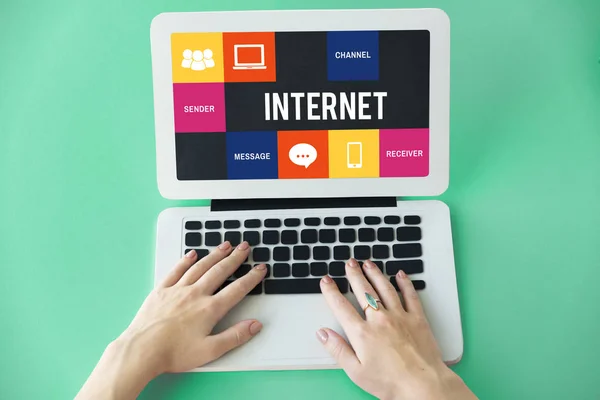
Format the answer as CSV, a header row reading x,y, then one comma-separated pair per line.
x,y
298,252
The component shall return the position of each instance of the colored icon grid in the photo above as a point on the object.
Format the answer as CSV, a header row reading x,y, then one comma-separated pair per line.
x,y
316,109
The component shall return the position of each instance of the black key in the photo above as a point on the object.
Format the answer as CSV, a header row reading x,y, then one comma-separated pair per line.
x,y
193,225
391,219
337,268
261,254
291,222
281,270
318,269
272,223
381,251
366,235
352,221
347,235
252,223
312,221
242,270
385,234
300,270
231,224
419,285
341,253
212,224
301,252
412,220
327,235
408,266
257,290
252,237
271,237
298,286
201,253
372,220
362,252
289,237
309,236
332,221
412,250
234,238
408,233
213,239
379,264
281,254
193,239
321,253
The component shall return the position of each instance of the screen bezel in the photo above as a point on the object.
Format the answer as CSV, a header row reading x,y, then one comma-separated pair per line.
x,y
434,20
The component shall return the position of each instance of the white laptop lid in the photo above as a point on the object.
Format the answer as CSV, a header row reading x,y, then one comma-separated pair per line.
x,y
327,103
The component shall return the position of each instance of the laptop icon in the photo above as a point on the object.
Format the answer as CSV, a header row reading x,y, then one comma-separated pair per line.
x,y
249,56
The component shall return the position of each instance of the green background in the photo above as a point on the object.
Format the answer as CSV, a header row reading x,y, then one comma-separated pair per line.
x,y
79,200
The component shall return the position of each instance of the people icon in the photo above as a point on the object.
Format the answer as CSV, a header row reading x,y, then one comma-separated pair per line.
x,y
187,59
208,58
197,60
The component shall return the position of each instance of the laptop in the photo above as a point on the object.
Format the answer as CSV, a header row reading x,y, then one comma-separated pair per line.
x,y
305,159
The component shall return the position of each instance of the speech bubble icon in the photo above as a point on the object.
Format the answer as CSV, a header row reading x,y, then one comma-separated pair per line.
x,y
303,154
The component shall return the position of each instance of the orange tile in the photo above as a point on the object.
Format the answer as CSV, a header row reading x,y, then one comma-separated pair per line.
x,y
309,152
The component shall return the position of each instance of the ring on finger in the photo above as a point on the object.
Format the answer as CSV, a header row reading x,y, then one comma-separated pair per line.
x,y
372,302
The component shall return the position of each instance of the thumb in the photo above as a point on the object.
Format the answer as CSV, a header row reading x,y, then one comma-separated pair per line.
x,y
233,337
339,349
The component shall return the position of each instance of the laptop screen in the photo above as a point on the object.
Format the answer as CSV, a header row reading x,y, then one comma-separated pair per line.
x,y
301,105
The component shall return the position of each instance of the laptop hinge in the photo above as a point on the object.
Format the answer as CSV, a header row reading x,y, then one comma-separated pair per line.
x,y
301,203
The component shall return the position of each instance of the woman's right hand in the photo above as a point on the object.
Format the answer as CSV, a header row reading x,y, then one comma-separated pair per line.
x,y
392,352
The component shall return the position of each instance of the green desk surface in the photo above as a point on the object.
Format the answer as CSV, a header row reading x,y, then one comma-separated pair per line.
x,y
79,201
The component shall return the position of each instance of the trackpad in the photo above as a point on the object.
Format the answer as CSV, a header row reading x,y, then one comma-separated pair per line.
x,y
288,338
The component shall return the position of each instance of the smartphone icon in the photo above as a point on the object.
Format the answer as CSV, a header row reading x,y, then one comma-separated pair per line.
x,y
354,154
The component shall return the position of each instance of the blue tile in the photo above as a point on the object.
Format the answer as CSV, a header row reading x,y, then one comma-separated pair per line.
x,y
252,155
353,56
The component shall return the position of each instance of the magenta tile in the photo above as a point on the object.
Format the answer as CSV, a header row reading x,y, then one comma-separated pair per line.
x,y
199,107
404,152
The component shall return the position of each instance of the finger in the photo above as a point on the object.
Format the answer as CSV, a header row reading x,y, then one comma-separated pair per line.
x,y
411,298
339,349
216,275
238,289
233,337
203,265
177,272
360,284
343,311
382,285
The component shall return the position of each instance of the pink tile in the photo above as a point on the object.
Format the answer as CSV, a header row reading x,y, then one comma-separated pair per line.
x,y
404,152
199,107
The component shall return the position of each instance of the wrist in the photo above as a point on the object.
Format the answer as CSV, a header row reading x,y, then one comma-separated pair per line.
x,y
121,373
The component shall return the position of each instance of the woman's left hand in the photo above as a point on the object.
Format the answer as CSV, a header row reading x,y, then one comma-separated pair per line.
x,y
172,330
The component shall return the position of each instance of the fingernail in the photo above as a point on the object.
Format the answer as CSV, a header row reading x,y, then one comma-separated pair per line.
x,y
352,263
401,274
261,267
368,264
327,279
243,246
322,335
191,254
224,245
255,327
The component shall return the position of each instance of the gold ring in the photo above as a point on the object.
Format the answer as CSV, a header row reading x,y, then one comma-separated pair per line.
x,y
371,302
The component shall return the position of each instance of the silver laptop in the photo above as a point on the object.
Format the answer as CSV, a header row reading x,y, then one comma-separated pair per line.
x,y
304,127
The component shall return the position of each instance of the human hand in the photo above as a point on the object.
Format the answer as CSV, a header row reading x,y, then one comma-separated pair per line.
x,y
392,352
172,330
